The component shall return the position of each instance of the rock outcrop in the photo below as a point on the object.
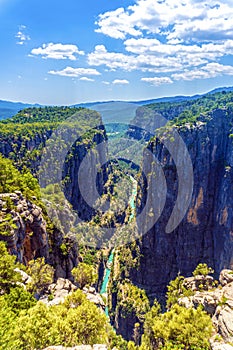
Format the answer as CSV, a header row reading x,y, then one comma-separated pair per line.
x,y
64,287
59,290
92,177
26,234
27,237
22,146
218,303
206,231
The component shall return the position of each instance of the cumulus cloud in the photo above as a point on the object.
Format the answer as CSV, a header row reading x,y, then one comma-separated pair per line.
x,y
155,47
86,79
182,38
21,36
57,51
183,20
74,72
110,59
146,63
211,70
115,24
158,80
120,82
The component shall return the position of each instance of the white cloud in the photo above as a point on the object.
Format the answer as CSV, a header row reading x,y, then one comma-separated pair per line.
x,y
115,24
202,50
21,35
74,72
86,79
183,20
120,82
106,82
110,59
57,51
145,63
181,39
211,70
158,80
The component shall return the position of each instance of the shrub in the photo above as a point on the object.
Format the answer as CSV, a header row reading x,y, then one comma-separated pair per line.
x,y
8,276
84,274
178,328
202,269
41,274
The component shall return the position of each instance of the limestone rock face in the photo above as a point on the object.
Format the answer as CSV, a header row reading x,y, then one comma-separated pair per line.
x,y
206,231
218,303
64,287
27,237
90,177
220,346
223,317
195,282
60,290
226,276
94,297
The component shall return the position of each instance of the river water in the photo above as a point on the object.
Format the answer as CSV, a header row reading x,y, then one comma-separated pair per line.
x,y
107,272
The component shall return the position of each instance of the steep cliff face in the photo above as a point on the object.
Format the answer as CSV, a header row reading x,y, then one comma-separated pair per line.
x,y
206,232
24,229
91,177
25,150
25,142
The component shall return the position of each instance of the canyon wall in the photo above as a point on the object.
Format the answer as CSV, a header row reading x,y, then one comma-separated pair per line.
x,y
206,231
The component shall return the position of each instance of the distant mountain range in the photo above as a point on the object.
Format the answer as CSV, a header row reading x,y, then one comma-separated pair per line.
x,y
9,109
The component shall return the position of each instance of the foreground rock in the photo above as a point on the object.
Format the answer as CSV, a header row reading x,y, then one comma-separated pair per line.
x,y
220,346
218,303
63,287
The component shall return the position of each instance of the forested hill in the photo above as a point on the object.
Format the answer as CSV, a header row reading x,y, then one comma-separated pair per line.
x,y
23,137
44,114
181,112
194,107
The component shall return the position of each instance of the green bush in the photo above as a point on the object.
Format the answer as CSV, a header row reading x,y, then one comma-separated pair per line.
x,y
77,321
84,274
178,328
202,269
8,276
41,274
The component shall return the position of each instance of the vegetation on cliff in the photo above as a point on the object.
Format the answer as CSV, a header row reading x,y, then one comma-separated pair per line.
x,y
23,137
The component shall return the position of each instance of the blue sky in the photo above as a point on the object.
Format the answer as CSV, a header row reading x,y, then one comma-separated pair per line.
x,y
65,52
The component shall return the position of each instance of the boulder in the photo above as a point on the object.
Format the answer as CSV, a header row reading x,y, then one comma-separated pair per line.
x,y
226,276
219,304
60,290
197,282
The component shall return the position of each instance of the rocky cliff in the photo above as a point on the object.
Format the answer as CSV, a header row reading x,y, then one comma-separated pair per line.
x,y
217,302
206,231
25,150
82,182
28,144
25,232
